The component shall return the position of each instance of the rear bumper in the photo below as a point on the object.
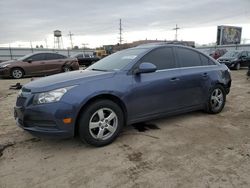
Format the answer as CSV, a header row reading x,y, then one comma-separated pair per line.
x,y
74,66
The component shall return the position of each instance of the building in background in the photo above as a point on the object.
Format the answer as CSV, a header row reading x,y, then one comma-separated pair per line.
x,y
228,35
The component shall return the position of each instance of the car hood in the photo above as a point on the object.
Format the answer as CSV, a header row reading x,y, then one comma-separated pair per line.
x,y
7,62
227,58
66,79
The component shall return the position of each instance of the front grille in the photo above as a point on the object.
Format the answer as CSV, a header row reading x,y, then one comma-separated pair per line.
x,y
20,101
40,123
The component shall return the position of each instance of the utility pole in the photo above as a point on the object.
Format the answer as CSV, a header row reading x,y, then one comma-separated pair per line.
x,y
71,41
176,31
11,57
46,43
120,32
31,47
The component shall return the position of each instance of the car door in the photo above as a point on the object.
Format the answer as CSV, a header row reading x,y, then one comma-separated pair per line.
x,y
157,92
35,64
194,77
54,63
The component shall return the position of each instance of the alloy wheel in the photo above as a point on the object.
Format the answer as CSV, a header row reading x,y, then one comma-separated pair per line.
x,y
66,69
17,73
103,124
238,66
217,99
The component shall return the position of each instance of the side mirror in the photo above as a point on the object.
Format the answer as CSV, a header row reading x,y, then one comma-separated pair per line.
x,y
29,60
145,68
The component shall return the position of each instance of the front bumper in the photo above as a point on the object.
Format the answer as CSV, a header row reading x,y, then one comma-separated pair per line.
x,y
45,120
230,64
4,72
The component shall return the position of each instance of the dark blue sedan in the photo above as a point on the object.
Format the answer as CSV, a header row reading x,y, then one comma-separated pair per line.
x,y
130,86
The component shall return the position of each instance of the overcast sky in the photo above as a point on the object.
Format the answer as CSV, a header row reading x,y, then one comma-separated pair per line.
x,y
96,22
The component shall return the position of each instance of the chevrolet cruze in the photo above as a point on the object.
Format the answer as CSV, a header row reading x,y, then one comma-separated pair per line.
x,y
134,85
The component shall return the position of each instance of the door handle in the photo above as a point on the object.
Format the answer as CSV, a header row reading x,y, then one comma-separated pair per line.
x,y
204,74
174,79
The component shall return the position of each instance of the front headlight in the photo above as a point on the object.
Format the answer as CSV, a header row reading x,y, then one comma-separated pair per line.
x,y
50,96
3,66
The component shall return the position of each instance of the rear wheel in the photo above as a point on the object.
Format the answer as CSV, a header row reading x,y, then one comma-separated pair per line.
x,y
216,101
17,73
66,68
101,123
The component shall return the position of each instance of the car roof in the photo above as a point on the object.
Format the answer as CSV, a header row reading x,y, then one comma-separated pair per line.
x,y
179,43
35,53
152,46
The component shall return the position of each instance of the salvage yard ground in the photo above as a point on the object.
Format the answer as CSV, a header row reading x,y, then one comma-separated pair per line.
x,y
190,150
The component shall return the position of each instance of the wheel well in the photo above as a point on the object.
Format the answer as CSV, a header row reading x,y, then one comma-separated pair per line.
x,y
17,68
101,97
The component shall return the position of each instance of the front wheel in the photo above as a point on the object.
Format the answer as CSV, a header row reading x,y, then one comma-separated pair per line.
x,y
216,101
17,73
237,66
101,123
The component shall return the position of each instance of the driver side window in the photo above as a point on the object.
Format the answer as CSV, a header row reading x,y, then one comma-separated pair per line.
x,y
162,58
37,57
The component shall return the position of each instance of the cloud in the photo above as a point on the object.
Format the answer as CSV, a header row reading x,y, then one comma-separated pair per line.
x,y
31,20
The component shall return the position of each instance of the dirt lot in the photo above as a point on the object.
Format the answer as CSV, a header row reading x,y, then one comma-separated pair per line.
x,y
190,150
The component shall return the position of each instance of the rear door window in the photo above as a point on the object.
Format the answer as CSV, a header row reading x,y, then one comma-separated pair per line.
x,y
54,56
188,57
162,58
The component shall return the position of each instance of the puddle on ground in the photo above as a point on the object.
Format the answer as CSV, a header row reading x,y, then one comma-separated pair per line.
x,y
142,127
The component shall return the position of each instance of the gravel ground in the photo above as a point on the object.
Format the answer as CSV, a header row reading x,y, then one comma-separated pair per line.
x,y
189,150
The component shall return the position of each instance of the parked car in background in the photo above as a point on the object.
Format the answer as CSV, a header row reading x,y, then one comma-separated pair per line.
x,y
218,53
130,86
236,59
38,64
86,59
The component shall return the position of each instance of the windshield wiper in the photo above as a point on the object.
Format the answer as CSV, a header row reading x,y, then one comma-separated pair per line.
x,y
99,70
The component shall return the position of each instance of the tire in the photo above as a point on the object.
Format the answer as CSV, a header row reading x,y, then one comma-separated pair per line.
x,y
66,68
17,73
216,100
237,66
101,123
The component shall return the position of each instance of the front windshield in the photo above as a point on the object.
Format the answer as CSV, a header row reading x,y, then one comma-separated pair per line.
x,y
118,60
24,57
231,54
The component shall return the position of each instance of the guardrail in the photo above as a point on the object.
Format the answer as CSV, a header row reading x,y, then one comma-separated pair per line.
x,y
7,53
227,47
